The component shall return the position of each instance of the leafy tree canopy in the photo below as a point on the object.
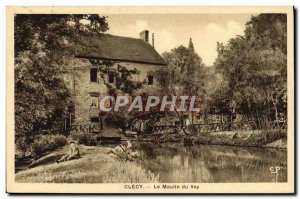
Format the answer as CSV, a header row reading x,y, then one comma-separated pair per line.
x,y
254,68
44,46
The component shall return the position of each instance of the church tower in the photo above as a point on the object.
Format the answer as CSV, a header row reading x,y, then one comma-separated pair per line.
x,y
191,45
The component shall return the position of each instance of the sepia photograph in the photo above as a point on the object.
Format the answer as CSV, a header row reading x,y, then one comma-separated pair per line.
x,y
150,100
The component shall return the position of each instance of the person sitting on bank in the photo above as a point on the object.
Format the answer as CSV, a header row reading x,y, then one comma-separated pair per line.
x,y
74,153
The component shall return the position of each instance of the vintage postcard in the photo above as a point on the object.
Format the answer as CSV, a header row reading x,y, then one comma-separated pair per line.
x,y
177,100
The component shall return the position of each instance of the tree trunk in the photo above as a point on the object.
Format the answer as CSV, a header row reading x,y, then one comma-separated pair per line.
x,y
192,117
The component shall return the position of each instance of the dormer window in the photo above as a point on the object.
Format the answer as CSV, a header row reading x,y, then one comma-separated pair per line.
x,y
150,79
93,75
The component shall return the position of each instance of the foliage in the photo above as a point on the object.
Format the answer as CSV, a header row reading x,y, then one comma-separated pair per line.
x,y
254,70
132,173
123,77
46,143
41,96
129,120
183,75
87,139
126,85
247,138
53,31
124,80
44,50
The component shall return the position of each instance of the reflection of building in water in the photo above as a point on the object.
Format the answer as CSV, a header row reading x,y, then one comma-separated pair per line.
x,y
182,168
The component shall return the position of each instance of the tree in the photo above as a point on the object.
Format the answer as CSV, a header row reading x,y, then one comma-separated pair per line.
x,y
54,30
183,75
125,85
254,69
125,119
44,49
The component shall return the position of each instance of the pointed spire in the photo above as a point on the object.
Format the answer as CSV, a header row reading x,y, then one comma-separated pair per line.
x,y
191,45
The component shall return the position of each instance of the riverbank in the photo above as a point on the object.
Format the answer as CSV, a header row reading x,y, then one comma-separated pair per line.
x,y
254,138
94,166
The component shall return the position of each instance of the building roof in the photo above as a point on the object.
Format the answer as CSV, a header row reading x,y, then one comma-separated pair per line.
x,y
116,48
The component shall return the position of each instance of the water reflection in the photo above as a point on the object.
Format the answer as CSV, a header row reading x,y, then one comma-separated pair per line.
x,y
178,163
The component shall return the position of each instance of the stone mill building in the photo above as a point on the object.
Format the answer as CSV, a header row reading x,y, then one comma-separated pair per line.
x,y
88,84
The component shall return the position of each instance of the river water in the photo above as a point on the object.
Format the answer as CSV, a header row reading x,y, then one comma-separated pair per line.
x,y
175,163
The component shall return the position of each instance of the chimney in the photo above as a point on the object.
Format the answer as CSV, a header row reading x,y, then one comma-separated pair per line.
x,y
153,39
144,35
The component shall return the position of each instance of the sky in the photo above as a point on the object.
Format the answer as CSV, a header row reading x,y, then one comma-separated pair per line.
x,y
173,30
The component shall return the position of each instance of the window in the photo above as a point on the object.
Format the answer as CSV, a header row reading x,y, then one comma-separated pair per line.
x,y
150,79
110,103
93,74
95,119
111,77
94,102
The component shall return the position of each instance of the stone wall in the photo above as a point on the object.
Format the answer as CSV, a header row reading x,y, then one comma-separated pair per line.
x,y
83,90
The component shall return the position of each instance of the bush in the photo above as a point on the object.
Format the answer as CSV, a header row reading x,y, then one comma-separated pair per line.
x,y
88,139
271,135
45,143
21,148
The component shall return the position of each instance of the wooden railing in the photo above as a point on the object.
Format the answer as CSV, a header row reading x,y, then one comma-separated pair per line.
x,y
193,128
86,128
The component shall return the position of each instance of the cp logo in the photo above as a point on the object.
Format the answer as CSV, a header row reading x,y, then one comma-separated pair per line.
x,y
274,169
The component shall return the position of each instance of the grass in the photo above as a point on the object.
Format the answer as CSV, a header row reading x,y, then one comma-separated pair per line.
x,y
95,166
259,138
255,138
